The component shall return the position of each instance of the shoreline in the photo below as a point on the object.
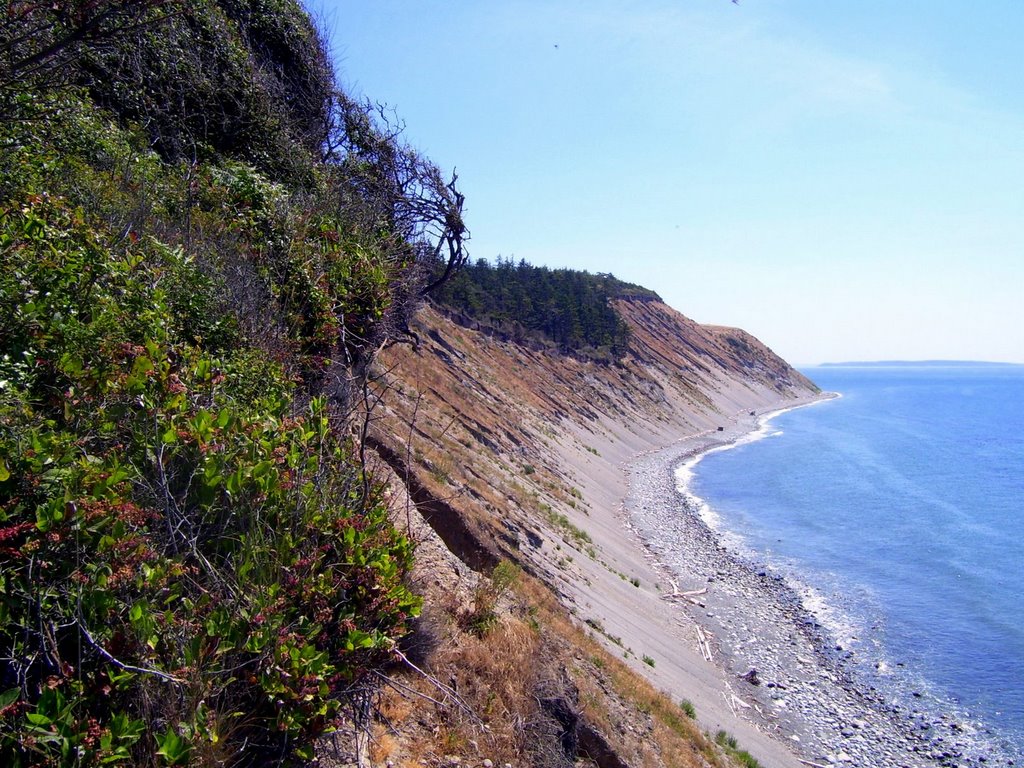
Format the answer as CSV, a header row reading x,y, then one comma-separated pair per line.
x,y
804,689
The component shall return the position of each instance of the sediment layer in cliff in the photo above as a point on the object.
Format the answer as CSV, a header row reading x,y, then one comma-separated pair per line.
x,y
507,434
519,454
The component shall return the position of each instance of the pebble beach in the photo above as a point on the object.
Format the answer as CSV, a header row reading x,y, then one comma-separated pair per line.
x,y
786,673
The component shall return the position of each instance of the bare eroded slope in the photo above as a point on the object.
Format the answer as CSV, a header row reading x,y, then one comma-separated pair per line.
x,y
518,454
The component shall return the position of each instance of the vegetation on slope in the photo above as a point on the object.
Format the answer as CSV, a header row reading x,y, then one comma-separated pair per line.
x,y
533,688
202,244
563,308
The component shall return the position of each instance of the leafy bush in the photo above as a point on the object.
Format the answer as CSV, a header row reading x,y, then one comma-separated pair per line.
x,y
178,548
248,79
728,743
195,566
688,709
483,617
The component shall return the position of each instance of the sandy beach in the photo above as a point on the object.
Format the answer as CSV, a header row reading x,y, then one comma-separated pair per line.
x,y
780,670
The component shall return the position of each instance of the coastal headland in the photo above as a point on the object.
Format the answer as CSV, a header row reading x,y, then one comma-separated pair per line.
x,y
285,478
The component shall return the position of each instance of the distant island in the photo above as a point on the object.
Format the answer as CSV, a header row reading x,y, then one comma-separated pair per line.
x,y
920,364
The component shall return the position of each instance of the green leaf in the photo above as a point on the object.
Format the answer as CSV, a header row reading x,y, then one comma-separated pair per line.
x,y
143,364
261,469
36,719
9,696
173,748
5,473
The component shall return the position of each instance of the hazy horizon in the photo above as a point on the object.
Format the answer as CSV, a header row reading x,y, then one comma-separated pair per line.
x,y
911,363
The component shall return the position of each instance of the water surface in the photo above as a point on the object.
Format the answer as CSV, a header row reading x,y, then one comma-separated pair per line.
x,y
899,507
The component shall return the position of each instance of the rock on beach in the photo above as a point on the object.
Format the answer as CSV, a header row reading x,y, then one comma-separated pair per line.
x,y
800,680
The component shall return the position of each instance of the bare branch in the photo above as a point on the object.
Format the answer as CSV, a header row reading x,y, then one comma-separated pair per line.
x,y
39,40
120,664
388,186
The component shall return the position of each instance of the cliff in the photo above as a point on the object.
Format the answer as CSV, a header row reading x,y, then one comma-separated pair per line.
x,y
517,454
510,433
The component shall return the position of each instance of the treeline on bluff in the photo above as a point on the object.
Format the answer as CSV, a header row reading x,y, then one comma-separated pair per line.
x,y
202,241
565,309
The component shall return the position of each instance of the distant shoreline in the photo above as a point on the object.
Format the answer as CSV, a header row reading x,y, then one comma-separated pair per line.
x,y
918,364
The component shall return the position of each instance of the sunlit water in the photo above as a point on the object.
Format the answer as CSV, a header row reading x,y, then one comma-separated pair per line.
x,y
901,506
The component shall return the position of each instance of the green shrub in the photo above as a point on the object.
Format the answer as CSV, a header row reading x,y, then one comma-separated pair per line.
x,y
483,617
179,545
728,743
195,568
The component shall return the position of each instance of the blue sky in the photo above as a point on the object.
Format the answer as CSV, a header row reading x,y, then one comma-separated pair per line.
x,y
841,178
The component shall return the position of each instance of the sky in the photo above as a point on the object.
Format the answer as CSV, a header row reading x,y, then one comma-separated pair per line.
x,y
842,178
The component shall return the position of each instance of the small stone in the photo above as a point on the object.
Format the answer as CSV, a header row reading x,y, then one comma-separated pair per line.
x,y
488,763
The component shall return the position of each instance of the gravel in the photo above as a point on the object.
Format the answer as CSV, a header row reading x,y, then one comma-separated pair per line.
x,y
804,688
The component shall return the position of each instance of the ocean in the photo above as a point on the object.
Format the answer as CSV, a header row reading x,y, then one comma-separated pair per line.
x,y
897,511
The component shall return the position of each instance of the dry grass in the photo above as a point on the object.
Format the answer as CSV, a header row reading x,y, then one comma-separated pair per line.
x,y
673,738
382,746
486,673
533,641
493,671
534,650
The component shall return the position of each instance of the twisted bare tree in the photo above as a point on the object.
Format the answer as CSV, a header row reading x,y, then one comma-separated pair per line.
x,y
388,186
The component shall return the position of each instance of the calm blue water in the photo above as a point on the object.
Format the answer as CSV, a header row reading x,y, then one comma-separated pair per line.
x,y
902,503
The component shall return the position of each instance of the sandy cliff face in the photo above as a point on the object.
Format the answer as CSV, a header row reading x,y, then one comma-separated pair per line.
x,y
518,454
508,435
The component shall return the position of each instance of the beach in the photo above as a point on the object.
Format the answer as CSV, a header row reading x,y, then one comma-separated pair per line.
x,y
606,528
781,671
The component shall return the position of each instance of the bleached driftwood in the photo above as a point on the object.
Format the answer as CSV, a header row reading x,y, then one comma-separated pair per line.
x,y
732,707
703,644
689,597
